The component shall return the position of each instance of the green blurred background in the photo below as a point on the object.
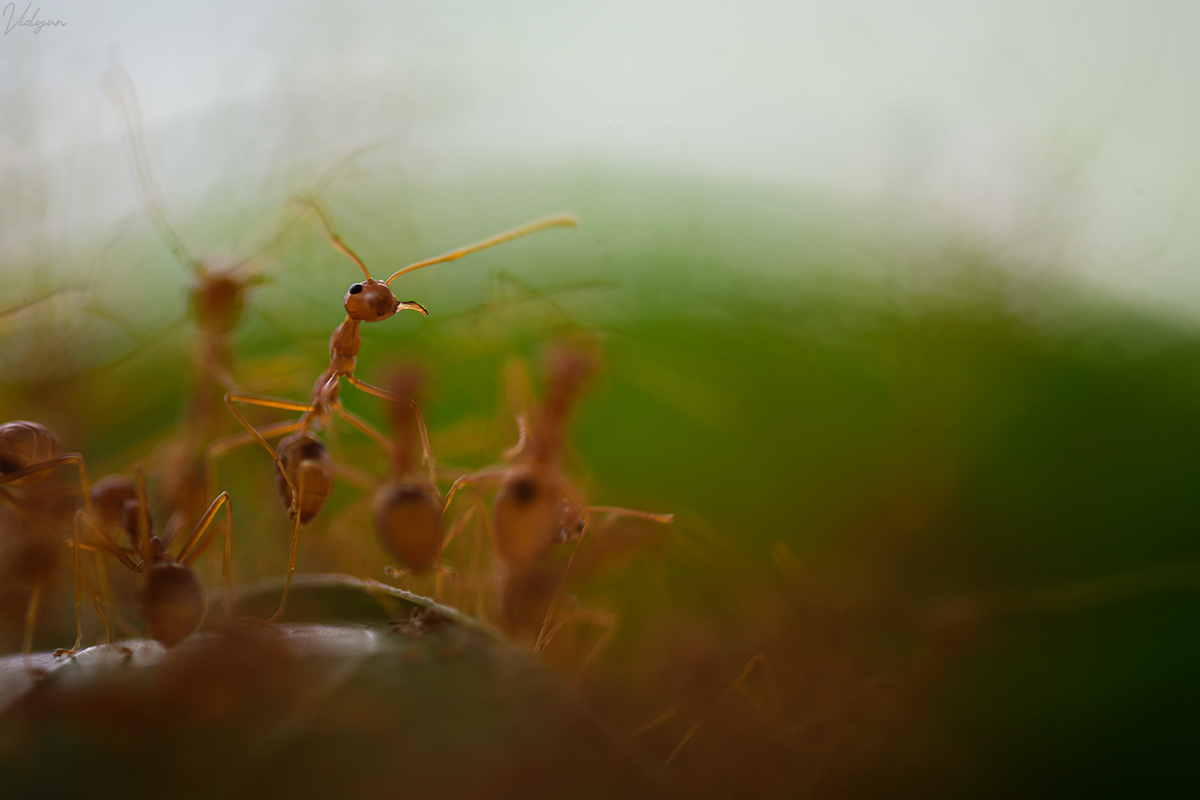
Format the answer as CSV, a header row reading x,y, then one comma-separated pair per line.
x,y
897,315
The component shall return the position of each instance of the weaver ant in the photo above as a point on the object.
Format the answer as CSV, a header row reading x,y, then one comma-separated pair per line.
x,y
171,600
536,507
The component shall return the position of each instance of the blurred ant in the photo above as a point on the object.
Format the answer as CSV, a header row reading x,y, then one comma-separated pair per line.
x,y
304,473
29,451
171,600
215,300
537,507
407,509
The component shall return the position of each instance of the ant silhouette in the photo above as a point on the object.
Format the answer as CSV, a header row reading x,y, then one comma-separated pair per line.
x,y
536,507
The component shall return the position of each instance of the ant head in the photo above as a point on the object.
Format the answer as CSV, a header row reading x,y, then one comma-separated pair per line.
x,y
216,301
372,301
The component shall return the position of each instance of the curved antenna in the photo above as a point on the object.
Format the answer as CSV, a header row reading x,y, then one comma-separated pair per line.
x,y
288,228
557,221
333,238
119,89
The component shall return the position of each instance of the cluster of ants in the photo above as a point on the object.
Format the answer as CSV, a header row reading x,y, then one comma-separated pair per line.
x,y
535,506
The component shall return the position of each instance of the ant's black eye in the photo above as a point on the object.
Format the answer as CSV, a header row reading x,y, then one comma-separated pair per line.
x,y
356,288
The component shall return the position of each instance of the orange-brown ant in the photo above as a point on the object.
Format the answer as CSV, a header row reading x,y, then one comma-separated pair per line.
x,y
407,509
171,600
304,467
536,506
29,451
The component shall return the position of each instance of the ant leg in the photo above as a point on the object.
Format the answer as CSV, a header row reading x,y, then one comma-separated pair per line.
x,y
487,476
455,528
104,591
97,606
542,639
737,685
143,518
287,583
219,447
174,525
31,613
83,584
194,546
662,519
606,620
481,596
365,427
78,594
384,394
267,402
107,545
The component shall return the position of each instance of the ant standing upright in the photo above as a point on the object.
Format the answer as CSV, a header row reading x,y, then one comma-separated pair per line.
x,y
536,507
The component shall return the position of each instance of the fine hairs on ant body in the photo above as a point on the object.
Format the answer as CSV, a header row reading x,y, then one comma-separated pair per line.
x,y
304,474
536,507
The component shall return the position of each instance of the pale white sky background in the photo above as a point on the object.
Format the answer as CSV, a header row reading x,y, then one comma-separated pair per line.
x,y
1066,132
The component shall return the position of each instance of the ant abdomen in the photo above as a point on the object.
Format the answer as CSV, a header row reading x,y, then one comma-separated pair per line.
x,y
408,517
309,469
172,602
531,514
23,444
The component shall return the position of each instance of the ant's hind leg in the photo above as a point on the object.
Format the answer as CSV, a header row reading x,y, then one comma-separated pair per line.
x,y
31,615
607,621
287,583
220,447
196,543
738,685
384,394
267,402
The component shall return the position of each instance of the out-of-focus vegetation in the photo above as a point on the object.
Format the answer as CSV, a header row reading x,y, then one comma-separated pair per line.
x,y
951,503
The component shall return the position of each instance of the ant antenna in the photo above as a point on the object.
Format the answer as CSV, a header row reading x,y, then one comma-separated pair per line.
x,y
557,221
